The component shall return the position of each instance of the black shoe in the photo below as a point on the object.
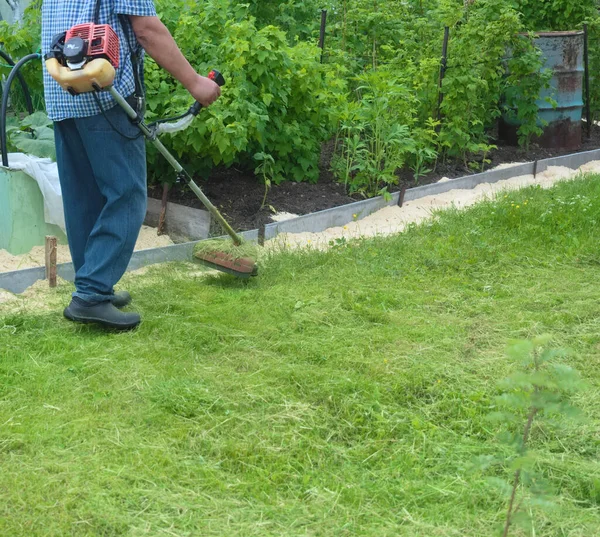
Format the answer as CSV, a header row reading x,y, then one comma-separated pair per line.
x,y
105,314
120,300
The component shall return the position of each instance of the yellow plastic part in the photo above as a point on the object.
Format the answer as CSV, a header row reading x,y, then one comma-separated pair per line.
x,y
97,74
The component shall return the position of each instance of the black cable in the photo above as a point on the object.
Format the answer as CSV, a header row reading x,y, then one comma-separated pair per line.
x,y
127,28
126,136
26,92
168,120
97,12
4,109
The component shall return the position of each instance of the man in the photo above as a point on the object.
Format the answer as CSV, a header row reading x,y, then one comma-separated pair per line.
x,y
101,155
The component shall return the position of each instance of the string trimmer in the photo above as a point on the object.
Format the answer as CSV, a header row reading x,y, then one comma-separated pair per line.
x,y
84,60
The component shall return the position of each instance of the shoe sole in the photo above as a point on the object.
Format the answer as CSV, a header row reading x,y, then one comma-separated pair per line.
x,y
93,320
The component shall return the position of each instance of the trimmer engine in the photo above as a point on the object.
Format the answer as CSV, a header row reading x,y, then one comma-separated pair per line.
x,y
84,59
86,42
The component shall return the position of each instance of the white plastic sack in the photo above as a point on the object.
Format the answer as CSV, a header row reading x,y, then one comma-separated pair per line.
x,y
45,172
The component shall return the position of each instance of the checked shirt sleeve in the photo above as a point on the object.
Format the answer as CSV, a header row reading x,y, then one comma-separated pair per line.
x,y
139,8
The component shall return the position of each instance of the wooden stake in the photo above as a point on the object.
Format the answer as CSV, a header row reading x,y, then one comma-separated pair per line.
x,y
162,219
401,198
51,243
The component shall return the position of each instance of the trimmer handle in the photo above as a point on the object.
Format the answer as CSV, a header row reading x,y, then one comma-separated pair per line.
x,y
215,76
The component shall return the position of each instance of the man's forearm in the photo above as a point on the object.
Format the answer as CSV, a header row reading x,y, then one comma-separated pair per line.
x,y
157,41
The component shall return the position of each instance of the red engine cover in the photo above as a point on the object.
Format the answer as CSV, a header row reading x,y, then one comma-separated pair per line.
x,y
102,41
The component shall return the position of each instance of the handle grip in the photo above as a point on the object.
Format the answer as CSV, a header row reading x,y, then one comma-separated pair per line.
x,y
215,76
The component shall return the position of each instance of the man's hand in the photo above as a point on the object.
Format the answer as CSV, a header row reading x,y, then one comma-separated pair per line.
x,y
157,41
204,90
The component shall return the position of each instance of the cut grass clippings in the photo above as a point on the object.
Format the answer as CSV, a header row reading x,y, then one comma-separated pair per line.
x,y
340,393
246,249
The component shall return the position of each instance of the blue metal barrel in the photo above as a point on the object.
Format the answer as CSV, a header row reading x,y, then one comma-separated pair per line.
x,y
563,54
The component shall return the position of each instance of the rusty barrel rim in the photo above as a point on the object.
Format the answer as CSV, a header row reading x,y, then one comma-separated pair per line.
x,y
572,33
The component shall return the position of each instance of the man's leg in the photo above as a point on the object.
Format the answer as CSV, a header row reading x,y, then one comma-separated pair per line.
x,y
119,165
82,200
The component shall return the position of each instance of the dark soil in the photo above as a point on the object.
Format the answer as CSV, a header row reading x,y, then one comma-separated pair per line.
x,y
239,195
504,154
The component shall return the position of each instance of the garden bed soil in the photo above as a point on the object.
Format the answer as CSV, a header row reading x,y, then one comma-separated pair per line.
x,y
239,195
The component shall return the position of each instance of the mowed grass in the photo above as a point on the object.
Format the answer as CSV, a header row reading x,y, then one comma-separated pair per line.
x,y
338,394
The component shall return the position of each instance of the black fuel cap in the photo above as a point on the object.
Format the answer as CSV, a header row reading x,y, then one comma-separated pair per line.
x,y
75,50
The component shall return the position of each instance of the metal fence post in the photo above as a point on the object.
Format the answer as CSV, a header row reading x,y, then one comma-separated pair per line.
x,y
322,35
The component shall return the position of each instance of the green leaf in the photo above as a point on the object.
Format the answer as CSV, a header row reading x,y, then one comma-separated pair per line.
x,y
36,120
12,124
267,99
40,144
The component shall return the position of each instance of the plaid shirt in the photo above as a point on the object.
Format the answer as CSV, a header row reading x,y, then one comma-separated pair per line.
x,y
60,15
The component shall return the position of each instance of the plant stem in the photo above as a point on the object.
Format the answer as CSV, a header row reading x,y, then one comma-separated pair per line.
x,y
264,201
532,413
267,182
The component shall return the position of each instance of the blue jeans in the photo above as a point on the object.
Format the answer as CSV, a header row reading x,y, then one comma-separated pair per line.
x,y
103,182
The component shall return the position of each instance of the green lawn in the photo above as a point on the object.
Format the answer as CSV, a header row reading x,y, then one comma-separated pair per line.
x,y
338,394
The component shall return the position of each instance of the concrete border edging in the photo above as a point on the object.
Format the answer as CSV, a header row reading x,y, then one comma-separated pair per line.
x,y
182,223
18,281
470,181
573,161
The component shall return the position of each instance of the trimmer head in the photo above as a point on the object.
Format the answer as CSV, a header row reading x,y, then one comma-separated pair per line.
x,y
241,267
226,256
